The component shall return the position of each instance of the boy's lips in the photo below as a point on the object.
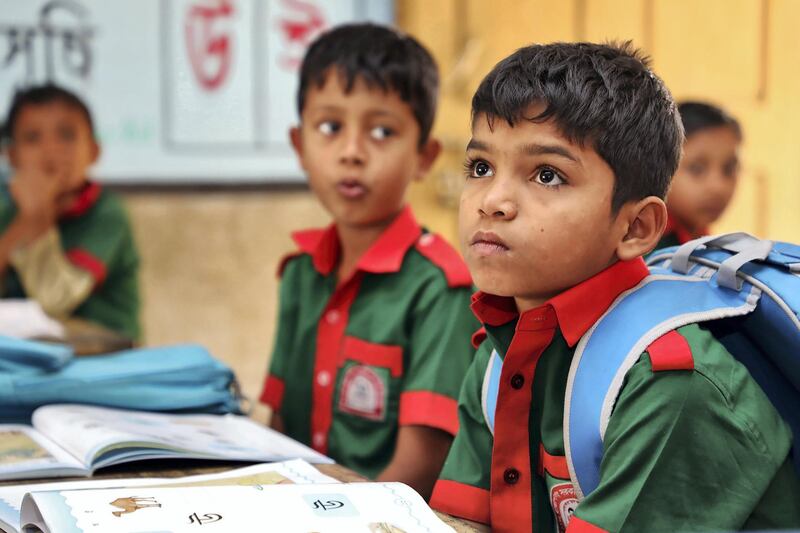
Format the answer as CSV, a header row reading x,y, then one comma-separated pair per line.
x,y
351,189
487,243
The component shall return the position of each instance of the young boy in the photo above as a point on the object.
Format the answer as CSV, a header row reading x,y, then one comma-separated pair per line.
x,y
373,336
706,178
65,241
572,150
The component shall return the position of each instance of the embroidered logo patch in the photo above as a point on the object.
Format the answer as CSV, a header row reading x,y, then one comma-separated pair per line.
x,y
363,393
564,502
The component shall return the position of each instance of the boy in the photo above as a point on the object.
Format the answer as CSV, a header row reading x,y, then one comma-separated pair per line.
x,y
572,150
373,336
65,241
706,178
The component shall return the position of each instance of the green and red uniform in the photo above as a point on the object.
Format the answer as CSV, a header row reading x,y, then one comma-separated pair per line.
x,y
693,443
388,347
96,236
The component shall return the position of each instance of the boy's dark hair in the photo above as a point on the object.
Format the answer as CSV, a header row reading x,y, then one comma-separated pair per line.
x,y
382,57
698,116
39,95
603,95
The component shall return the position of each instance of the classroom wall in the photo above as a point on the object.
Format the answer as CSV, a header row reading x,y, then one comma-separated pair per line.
x,y
209,258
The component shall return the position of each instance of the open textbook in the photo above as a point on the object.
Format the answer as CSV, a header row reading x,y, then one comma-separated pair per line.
x,y
288,472
346,507
75,440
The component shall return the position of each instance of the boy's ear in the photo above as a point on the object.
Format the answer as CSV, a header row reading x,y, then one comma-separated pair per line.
x,y
645,220
96,151
428,154
296,138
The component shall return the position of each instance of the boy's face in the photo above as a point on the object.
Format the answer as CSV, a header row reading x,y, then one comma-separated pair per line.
x,y
706,178
360,151
535,216
53,139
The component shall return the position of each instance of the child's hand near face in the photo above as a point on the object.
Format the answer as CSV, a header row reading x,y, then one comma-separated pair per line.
x,y
35,194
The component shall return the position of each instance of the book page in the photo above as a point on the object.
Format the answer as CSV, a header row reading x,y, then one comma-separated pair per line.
x,y
104,436
287,472
26,453
343,508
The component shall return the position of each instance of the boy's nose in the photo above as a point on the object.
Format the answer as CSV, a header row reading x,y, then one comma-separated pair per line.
x,y
498,203
353,152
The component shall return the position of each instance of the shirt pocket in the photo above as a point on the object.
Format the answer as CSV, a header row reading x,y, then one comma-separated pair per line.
x,y
369,377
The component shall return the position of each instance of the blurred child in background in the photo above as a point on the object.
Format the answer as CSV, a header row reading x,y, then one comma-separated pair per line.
x,y
374,325
64,241
706,179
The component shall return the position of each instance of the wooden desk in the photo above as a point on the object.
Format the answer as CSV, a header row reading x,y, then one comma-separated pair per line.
x,y
89,338
188,468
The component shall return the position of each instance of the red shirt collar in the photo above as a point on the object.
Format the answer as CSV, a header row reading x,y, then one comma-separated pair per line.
x,y
384,256
680,231
84,201
577,308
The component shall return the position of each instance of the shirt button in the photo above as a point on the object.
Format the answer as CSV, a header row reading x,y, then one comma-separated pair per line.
x,y
426,240
511,476
332,316
319,440
324,378
517,381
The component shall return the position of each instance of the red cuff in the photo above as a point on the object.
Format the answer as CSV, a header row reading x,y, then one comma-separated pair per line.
x,y
86,261
576,525
461,500
425,408
272,394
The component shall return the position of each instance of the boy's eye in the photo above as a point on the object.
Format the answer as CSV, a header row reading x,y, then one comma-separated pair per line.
x,y
696,169
67,134
329,127
29,137
479,169
731,169
549,177
380,133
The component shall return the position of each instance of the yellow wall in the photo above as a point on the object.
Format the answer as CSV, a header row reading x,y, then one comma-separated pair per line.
x,y
741,54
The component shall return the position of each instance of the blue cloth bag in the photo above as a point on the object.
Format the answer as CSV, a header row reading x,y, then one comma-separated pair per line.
x,y
31,357
182,379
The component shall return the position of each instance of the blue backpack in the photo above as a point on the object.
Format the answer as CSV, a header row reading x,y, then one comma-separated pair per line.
x,y
746,291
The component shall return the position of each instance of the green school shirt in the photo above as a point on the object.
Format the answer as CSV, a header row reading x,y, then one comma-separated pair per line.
x,y
96,237
387,348
700,449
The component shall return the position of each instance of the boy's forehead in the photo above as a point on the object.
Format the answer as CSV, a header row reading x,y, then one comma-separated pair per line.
x,y
333,91
55,111
523,135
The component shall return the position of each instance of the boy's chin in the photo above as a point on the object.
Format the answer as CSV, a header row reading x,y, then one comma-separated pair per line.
x,y
493,284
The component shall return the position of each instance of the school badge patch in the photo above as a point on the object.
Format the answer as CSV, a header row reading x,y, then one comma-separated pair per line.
x,y
564,502
363,393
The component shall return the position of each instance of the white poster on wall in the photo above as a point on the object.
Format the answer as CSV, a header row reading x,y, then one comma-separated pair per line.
x,y
182,91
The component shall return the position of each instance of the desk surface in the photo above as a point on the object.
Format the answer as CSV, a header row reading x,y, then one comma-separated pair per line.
x,y
151,469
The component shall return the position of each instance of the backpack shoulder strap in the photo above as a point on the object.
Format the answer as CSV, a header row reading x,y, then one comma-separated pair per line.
x,y
661,303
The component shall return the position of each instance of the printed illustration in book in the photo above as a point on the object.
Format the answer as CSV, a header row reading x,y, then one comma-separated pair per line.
x,y
284,473
347,507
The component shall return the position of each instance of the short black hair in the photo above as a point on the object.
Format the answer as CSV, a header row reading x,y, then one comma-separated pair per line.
x,y
39,95
603,95
381,57
698,116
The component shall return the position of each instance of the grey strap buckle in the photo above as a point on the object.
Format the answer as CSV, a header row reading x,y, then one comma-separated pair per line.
x,y
746,247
